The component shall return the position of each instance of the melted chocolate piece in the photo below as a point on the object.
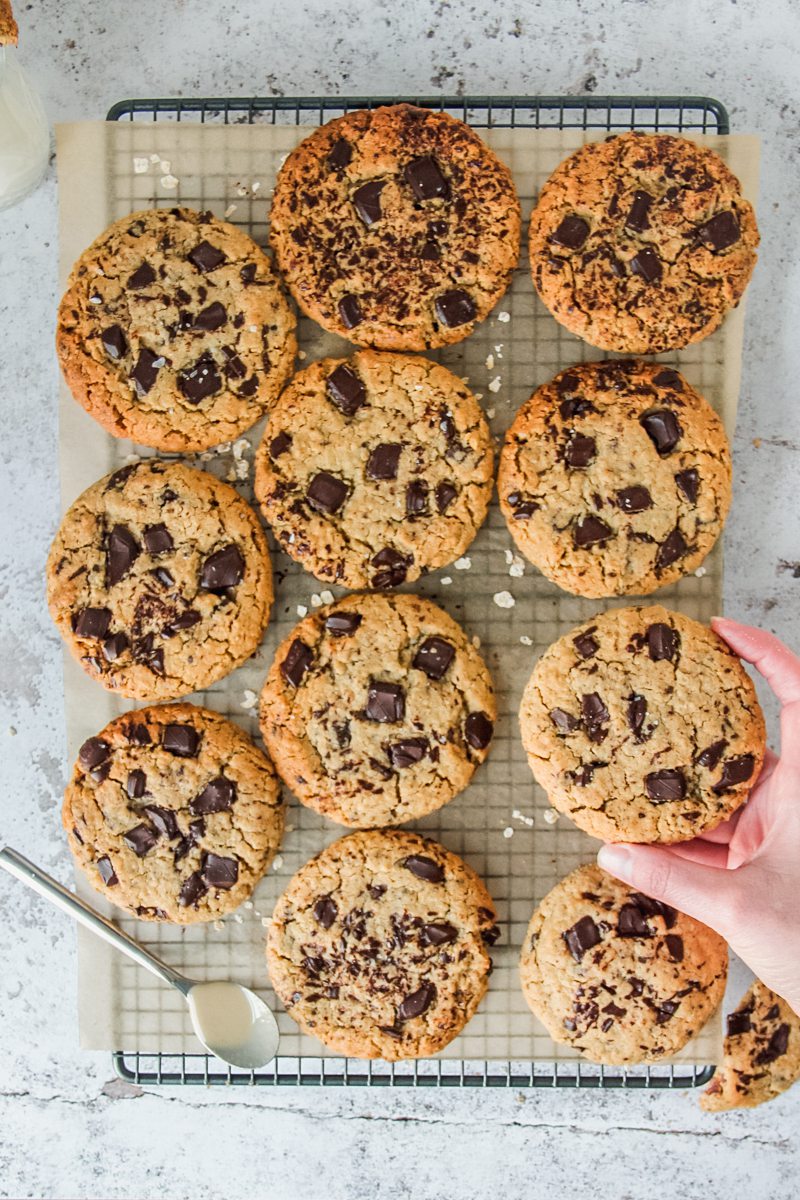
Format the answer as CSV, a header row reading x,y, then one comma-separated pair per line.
x,y
326,494
637,711
383,461
193,889
135,784
213,317
346,390
647,265
106,871
631,922
367,201
417,1003
590,531
634,499
416,498
157,539
564,721
350,312
662,427
579,450
478,730
637,218
200,380
279,445
182,740
342,624
408,752
712,754
92,622
114,342
340,154
721,231
141,839
424,868
445,495
438,933
223,569
582,936
674,945
688,482
219,872
142,277
164,820
665,785
455,308
145,373
205,257
434,657
325,911
739,1023
595,715
297,662
93,751
585,644
115,645
386,702
662,642
671,549
426,179
571,233
734,771
121,554
217,796
394,568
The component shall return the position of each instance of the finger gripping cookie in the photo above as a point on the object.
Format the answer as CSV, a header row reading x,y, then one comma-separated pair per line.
x,y
642,725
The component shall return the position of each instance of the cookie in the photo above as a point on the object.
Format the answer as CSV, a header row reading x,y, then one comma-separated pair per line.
x,y
378,946
615,478
174,330
642,243
9,31
616,975
642,725
173,813
374,469
396,228
159,580
761,1056
377,710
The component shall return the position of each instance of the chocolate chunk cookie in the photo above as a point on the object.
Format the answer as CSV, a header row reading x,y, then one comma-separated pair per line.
x,y
397,228
642,243
377,710
174,330
374,469
761,1054
615,478
618,976
173,813
378,947
643,726
159,580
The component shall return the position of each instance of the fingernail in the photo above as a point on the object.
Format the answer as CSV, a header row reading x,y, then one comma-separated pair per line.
x,y
615,859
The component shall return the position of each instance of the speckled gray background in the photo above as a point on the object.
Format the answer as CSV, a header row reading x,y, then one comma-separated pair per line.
x,y
66,1128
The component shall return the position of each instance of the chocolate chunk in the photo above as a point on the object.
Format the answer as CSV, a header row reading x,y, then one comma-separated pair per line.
x,y
417,1003
376,890
445,495
114,645
671,549
430,252
712,754
219,872
394,568
661,426
637,711
182,740
564,721
595,715
106,871
738,1023
367,201
205,257
668,784
326,493
688,482
92,622
193,889
157,539
164,820
776,1047
200,380
655,908
647,265
138,735
669,379
631,922
213,317
434,657
342,624
590,531
634,499
408,752
117,478
582,936
145,652
121,554
438,933
114,342
141,839
184,620
478,730
325,911
572,232
350,312
223,569
340,154
735,771
579,450
142,277
666,1011
145,372
383,461
99,774
135,784
662,642
585,644
721,231
346,390
455,308
162,576
279,445
386,702
426,179
217,796
575,407
93,751
675,946
637,218
297,662
424,868
416,498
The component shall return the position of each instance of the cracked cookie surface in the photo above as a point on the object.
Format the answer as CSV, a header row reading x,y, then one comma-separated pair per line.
x,y
397,228
174,330
615,477
642,243
159,580
761,1053
377,709
618,976
173,813
378,946
642,725
375,468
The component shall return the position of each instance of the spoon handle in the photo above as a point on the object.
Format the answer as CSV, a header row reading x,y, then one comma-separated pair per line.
x,y
20,867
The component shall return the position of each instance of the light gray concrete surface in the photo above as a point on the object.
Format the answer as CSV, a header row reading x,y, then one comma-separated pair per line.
x,y
66,1128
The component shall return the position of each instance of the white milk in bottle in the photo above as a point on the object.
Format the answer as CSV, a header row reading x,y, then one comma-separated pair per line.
x,y
24,133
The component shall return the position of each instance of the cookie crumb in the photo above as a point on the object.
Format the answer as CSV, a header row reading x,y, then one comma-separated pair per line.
x,y
476,641
490,412
301,354
504,600
463,564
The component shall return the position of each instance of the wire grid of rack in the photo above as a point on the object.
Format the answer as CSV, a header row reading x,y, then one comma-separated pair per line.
x,y
590,113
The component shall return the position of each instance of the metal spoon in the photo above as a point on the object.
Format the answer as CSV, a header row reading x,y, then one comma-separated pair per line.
x,y
231,1021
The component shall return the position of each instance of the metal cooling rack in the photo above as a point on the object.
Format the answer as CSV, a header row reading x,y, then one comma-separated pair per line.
x,y
678,114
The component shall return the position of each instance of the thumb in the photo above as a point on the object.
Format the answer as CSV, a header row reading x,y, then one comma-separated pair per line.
x,y
703,892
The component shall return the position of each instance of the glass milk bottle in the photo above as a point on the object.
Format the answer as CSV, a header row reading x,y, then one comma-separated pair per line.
x,y
24,133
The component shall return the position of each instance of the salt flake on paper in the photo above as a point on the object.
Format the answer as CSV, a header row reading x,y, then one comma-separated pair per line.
x,y
250,699
140,166
302,611
508,832
504,316
551,816
495,385
277,862
326,597
526,641
489,364
446,580
519,816
170,182
316,601
504,600
463,564
230,210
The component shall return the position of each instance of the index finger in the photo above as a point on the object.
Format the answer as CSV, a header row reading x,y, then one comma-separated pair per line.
x,y
769,656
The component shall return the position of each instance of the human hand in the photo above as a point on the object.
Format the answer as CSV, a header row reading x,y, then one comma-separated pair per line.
x,y
742,878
